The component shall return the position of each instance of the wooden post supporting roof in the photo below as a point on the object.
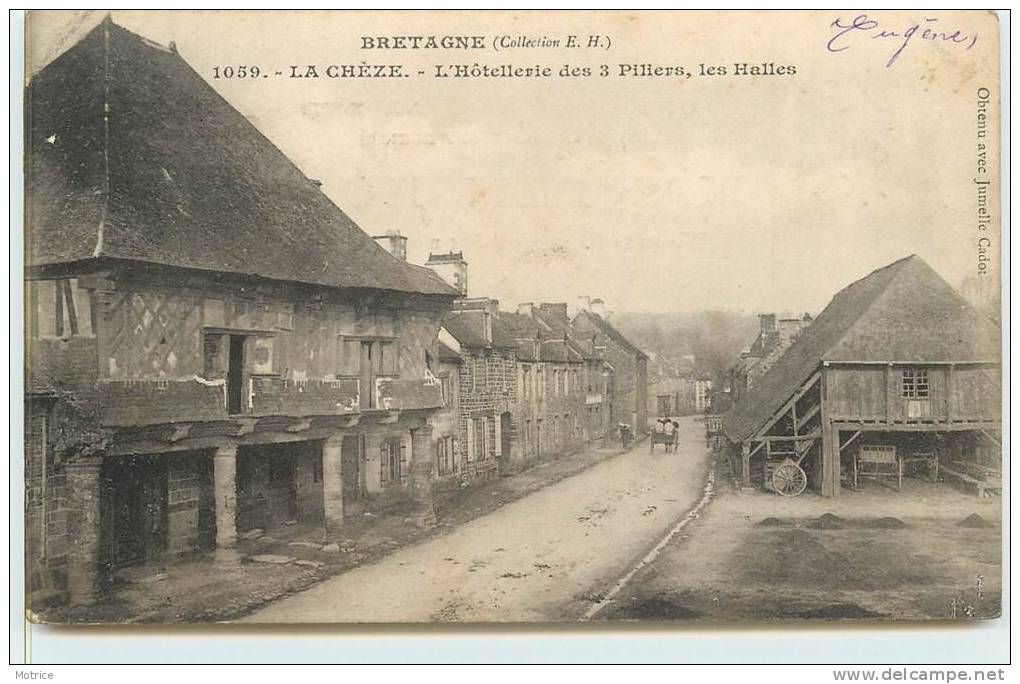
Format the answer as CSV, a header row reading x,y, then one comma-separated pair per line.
x,y
830,447
745,459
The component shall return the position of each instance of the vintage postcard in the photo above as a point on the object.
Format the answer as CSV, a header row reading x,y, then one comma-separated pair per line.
x,y
512,317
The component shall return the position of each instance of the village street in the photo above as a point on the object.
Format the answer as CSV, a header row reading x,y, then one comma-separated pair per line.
x,y
540,558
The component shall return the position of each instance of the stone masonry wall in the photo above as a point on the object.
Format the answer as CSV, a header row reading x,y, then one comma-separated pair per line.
x,y
488,387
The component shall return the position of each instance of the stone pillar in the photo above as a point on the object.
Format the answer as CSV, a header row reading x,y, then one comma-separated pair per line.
x,y
84,492
332,485
225,493
423,457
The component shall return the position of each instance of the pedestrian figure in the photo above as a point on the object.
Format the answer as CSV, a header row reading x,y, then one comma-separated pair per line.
x,y
676,435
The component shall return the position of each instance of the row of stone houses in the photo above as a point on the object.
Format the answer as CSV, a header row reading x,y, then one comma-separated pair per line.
x,y
213,346
528,383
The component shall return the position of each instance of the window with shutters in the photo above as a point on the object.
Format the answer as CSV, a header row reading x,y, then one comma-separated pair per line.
x,y
480,439
392,462
383,356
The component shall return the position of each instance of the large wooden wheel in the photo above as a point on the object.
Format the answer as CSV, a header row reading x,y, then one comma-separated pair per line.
x,y
789,479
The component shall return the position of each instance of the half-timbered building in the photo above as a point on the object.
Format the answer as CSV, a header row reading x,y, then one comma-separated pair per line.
x,y
213,346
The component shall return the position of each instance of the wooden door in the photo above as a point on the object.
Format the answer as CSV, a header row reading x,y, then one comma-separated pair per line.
x,y
366,377
235,375
135,495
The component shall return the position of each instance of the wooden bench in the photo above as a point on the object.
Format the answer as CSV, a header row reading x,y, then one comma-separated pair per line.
x,y
878,461
982,488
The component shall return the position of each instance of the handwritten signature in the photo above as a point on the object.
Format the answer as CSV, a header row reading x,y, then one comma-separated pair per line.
x,y
925,30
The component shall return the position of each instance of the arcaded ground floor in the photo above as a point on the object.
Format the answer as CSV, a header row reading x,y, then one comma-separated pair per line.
x,y
95,519
284,558
928,552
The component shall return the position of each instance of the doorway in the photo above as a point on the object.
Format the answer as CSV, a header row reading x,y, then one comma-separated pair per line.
x,y
235,375
282,490
505,441
135,510
367,391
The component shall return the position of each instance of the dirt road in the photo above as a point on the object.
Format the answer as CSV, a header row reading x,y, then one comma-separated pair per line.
x,y
538,559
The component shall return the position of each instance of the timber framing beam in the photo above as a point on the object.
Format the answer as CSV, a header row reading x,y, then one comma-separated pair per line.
x,y
849,441
790,404
811,413
992,437
958,426
809,437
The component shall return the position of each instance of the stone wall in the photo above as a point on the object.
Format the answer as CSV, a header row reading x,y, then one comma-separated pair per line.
x,y
184,476
46,509
488,388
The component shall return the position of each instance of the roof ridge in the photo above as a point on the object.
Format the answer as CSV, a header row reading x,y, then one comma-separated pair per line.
x,y
871,304
100,230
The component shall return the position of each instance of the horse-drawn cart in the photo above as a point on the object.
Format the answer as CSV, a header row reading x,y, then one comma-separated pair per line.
x,y
785,477
783,472
667,439
713,430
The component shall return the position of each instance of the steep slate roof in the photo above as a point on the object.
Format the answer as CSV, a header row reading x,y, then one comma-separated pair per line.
x,y
132,155
520,325
523,329
902,313
557,345
447,354
468,329
611,332
555,351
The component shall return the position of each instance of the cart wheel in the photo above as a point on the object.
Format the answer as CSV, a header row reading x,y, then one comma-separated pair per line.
x,y
788,479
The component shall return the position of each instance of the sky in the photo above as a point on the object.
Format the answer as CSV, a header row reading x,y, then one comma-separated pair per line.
x,y
656,194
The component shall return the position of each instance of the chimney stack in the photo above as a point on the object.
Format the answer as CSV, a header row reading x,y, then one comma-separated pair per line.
x,y
557,310
525,308
394,243
767,323
452,268
598,307
583,303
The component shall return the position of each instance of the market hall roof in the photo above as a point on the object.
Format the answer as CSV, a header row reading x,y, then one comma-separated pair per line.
x,y
902,313
133,156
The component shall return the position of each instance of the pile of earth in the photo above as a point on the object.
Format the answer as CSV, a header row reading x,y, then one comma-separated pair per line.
x,y
974,520
886,523
826,521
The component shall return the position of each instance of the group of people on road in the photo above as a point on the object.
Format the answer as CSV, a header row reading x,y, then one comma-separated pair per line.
x,y
670,428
